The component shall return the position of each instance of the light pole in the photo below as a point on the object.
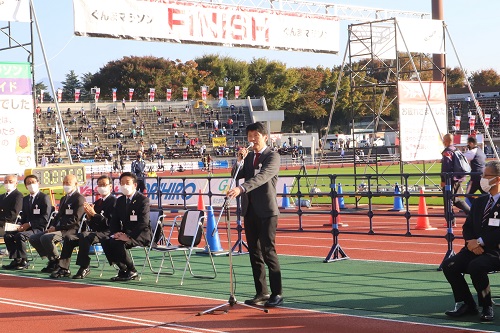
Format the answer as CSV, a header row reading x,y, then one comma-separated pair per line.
x,y
302,124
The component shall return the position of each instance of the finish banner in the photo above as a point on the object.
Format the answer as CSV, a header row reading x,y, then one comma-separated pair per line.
x,y
207,24
16,118
421,128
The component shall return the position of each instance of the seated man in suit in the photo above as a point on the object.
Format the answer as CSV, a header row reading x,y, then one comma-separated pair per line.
x,y
98,218
260,209
34,219
129,227
11,202
65,224
481,253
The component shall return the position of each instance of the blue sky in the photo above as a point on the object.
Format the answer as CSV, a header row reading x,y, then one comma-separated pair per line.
x,y
473,27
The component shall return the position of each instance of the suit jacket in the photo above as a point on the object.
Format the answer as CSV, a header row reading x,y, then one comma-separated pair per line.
x,y
260,187
139,231
64,221
37,221
10,206
104,213
473,229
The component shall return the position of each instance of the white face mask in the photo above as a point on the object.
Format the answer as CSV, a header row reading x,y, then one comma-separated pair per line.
x,y
33,188
9,187
485,184
67,189
127,189
104,190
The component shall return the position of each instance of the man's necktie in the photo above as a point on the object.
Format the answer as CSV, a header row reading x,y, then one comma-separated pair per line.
x,y
487,211
256,160
128,202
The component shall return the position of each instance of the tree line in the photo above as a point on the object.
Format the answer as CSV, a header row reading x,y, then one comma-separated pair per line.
x,y
305,93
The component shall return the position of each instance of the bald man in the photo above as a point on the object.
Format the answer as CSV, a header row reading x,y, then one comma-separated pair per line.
x,y
456,181
65,224
11,202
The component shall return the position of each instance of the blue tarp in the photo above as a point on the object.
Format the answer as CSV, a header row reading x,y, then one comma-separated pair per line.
x,y
222,103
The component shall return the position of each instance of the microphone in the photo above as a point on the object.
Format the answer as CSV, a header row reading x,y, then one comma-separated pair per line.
x,y
250,145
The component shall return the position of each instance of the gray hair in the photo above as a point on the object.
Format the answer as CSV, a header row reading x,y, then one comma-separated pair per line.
x,y
495,166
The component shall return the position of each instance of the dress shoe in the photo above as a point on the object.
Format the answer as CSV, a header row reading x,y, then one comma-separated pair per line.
x,y
4,252
258,299
120,276
274,300
131,275
82,273
487,313
23,265
462,309
60,273
12,265
51,266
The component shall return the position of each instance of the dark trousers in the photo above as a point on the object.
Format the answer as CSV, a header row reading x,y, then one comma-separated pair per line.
x,y
456,189
116,253
473,187
70,241
466,262
260,234
16,243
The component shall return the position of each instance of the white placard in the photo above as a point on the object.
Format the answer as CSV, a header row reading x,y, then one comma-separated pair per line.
x,y
15,10
420,36
421,129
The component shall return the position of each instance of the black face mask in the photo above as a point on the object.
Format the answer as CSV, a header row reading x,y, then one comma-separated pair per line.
x,y
139,157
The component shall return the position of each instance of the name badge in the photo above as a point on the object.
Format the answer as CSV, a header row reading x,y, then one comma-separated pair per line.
x,y
36,210
69,211
494,222
133,217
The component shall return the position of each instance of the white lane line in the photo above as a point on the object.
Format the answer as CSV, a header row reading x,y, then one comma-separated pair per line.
x,y
105,316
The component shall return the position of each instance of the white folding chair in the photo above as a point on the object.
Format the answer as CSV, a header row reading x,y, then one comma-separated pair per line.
x,y
190,230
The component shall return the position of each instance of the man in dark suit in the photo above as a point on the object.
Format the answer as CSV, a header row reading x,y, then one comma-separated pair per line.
x,y
34,219
98,218
11,202
260,209
65,224
481,253
129,227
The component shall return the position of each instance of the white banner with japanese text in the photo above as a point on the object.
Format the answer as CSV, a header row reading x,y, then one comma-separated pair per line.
x,y
16,118
207,24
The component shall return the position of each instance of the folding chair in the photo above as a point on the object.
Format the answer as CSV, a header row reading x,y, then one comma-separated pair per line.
x,y
155,215
190,230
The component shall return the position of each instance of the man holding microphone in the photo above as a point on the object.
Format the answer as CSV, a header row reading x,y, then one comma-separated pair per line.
x,y
260,210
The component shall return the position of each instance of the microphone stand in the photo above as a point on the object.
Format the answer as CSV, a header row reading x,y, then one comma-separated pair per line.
x,y
232,299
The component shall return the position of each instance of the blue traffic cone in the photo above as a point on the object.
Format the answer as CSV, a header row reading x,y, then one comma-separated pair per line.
x,y
213,239
285,202
398,201
341,197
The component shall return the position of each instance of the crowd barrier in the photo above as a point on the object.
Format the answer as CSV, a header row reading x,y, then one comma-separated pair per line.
x,y
331,196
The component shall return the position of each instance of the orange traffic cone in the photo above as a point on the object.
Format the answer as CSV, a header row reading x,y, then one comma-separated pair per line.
x,y
423,221
201,205
339,220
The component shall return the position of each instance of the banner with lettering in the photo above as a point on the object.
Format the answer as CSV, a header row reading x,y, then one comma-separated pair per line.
x,y
16,118
151,94
59,95
184,94
236,92
113,90
169,95
77,95
472,122
487,119
97,94
41,95
204,93
221,92
130,94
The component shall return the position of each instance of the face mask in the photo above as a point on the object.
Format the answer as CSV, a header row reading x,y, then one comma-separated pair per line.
x,y
9,187
485,184
67,189
33,188
104,191
127,189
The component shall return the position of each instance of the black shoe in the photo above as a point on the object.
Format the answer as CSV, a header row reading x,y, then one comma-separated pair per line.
x,y
462,309
487,313
131,275
52,266
23,265
12,265
60,273
274,300
120,276
257,299
82,273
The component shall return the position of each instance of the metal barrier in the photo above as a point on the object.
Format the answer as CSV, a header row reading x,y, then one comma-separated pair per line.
x,y
372,193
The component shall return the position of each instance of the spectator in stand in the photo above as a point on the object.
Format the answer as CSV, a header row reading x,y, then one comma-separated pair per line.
x,y
477,160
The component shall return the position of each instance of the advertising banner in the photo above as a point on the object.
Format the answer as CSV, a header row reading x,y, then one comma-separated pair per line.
x,y
114,94
204,93
169,95
236,92
130,94
77,95
421,128
151,94
207,24
16,118
184,94
15,10
221,92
